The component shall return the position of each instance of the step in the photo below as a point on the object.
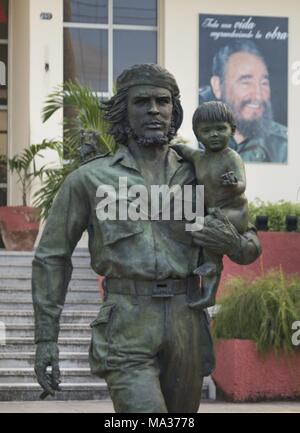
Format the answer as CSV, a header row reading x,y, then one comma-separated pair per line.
x,y
26,257
67,361
78,252
26,359
26,283
24,296
66,330
27,375
27,290
26,344
85,304
10,262
70,391
26,316
25,272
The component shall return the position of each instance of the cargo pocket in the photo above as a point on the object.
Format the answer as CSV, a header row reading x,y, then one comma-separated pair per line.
x,y
100,343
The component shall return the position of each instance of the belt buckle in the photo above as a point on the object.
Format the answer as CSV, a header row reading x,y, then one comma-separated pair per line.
x,y
163,289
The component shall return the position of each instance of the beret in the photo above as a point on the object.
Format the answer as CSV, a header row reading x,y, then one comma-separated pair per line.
x,y
147,74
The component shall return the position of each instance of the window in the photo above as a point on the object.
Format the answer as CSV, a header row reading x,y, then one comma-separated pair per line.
x,y
103,37
3,99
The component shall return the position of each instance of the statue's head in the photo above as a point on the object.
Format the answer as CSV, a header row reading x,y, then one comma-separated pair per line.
x,y
146,106
213,125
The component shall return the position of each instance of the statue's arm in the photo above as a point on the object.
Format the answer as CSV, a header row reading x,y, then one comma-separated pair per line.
x,y
236,176
51,273
188,153
249,249
52,266
221,237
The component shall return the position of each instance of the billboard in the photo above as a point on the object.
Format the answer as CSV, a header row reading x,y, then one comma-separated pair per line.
x,y
243,61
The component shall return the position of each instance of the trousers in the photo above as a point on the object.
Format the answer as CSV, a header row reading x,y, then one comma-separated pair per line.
x,y
153,351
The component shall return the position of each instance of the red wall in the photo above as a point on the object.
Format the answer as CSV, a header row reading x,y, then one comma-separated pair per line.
x,y
279,248
242,375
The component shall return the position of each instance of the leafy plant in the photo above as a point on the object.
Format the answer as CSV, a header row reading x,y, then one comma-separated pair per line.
x,y
87,115
24,165
276,212
86,120
262,310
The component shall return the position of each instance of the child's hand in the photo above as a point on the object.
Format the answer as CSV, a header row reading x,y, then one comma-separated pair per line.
x,y
229,179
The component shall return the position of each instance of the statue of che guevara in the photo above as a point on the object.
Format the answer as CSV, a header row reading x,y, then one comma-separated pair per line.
x,y
150,342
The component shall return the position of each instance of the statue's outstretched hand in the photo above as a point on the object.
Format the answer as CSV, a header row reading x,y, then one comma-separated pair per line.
x,y
218,234
47,355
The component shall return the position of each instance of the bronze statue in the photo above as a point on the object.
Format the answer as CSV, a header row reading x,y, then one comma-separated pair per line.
x,y
221,170
149,344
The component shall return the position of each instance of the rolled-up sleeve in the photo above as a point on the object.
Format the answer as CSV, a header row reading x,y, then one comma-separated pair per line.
x,y
52,265
250,247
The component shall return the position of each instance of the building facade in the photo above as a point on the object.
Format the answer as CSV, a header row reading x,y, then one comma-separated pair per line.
x,y
45,42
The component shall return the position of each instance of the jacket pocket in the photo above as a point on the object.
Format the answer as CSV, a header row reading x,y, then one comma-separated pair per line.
x,y
100,343
114,231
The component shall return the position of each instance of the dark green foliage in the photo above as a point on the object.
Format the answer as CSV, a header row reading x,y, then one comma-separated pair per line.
x,y
24,165
262,309
276,212
87,116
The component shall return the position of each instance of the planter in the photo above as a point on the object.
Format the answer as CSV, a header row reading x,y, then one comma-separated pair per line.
x,y
242,375
19,227
280,249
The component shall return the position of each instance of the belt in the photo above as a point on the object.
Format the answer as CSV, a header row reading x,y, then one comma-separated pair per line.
x,y
155,288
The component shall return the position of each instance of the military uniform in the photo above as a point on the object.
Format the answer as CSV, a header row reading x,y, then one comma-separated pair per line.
x,y
272,148
151,348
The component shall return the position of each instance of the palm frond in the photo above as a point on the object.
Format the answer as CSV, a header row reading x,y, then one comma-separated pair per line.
x,y
87,119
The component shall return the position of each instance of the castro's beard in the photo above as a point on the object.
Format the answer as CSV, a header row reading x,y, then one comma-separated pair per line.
x,y
156,141
256,128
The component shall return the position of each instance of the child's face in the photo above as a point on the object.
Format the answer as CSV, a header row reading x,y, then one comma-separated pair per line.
x,y
214,135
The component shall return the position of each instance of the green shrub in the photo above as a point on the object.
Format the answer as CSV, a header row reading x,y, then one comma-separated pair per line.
x,y
262,309
275,211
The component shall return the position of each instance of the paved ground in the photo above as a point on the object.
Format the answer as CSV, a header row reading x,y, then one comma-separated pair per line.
x,y
105,406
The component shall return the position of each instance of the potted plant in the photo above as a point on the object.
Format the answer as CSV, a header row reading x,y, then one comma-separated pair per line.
x,y
256,354
19,225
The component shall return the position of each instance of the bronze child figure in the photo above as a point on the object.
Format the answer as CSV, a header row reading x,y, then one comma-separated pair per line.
x,y
221,170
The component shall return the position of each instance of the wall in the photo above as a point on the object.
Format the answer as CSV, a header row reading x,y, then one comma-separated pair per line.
x,y
181,34
18,97
46,46
33,42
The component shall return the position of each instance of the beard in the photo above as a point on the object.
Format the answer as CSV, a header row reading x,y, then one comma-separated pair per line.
x,y
155,141
255,128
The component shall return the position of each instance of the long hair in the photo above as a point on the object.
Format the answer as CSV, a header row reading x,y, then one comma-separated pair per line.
x,y
116,113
